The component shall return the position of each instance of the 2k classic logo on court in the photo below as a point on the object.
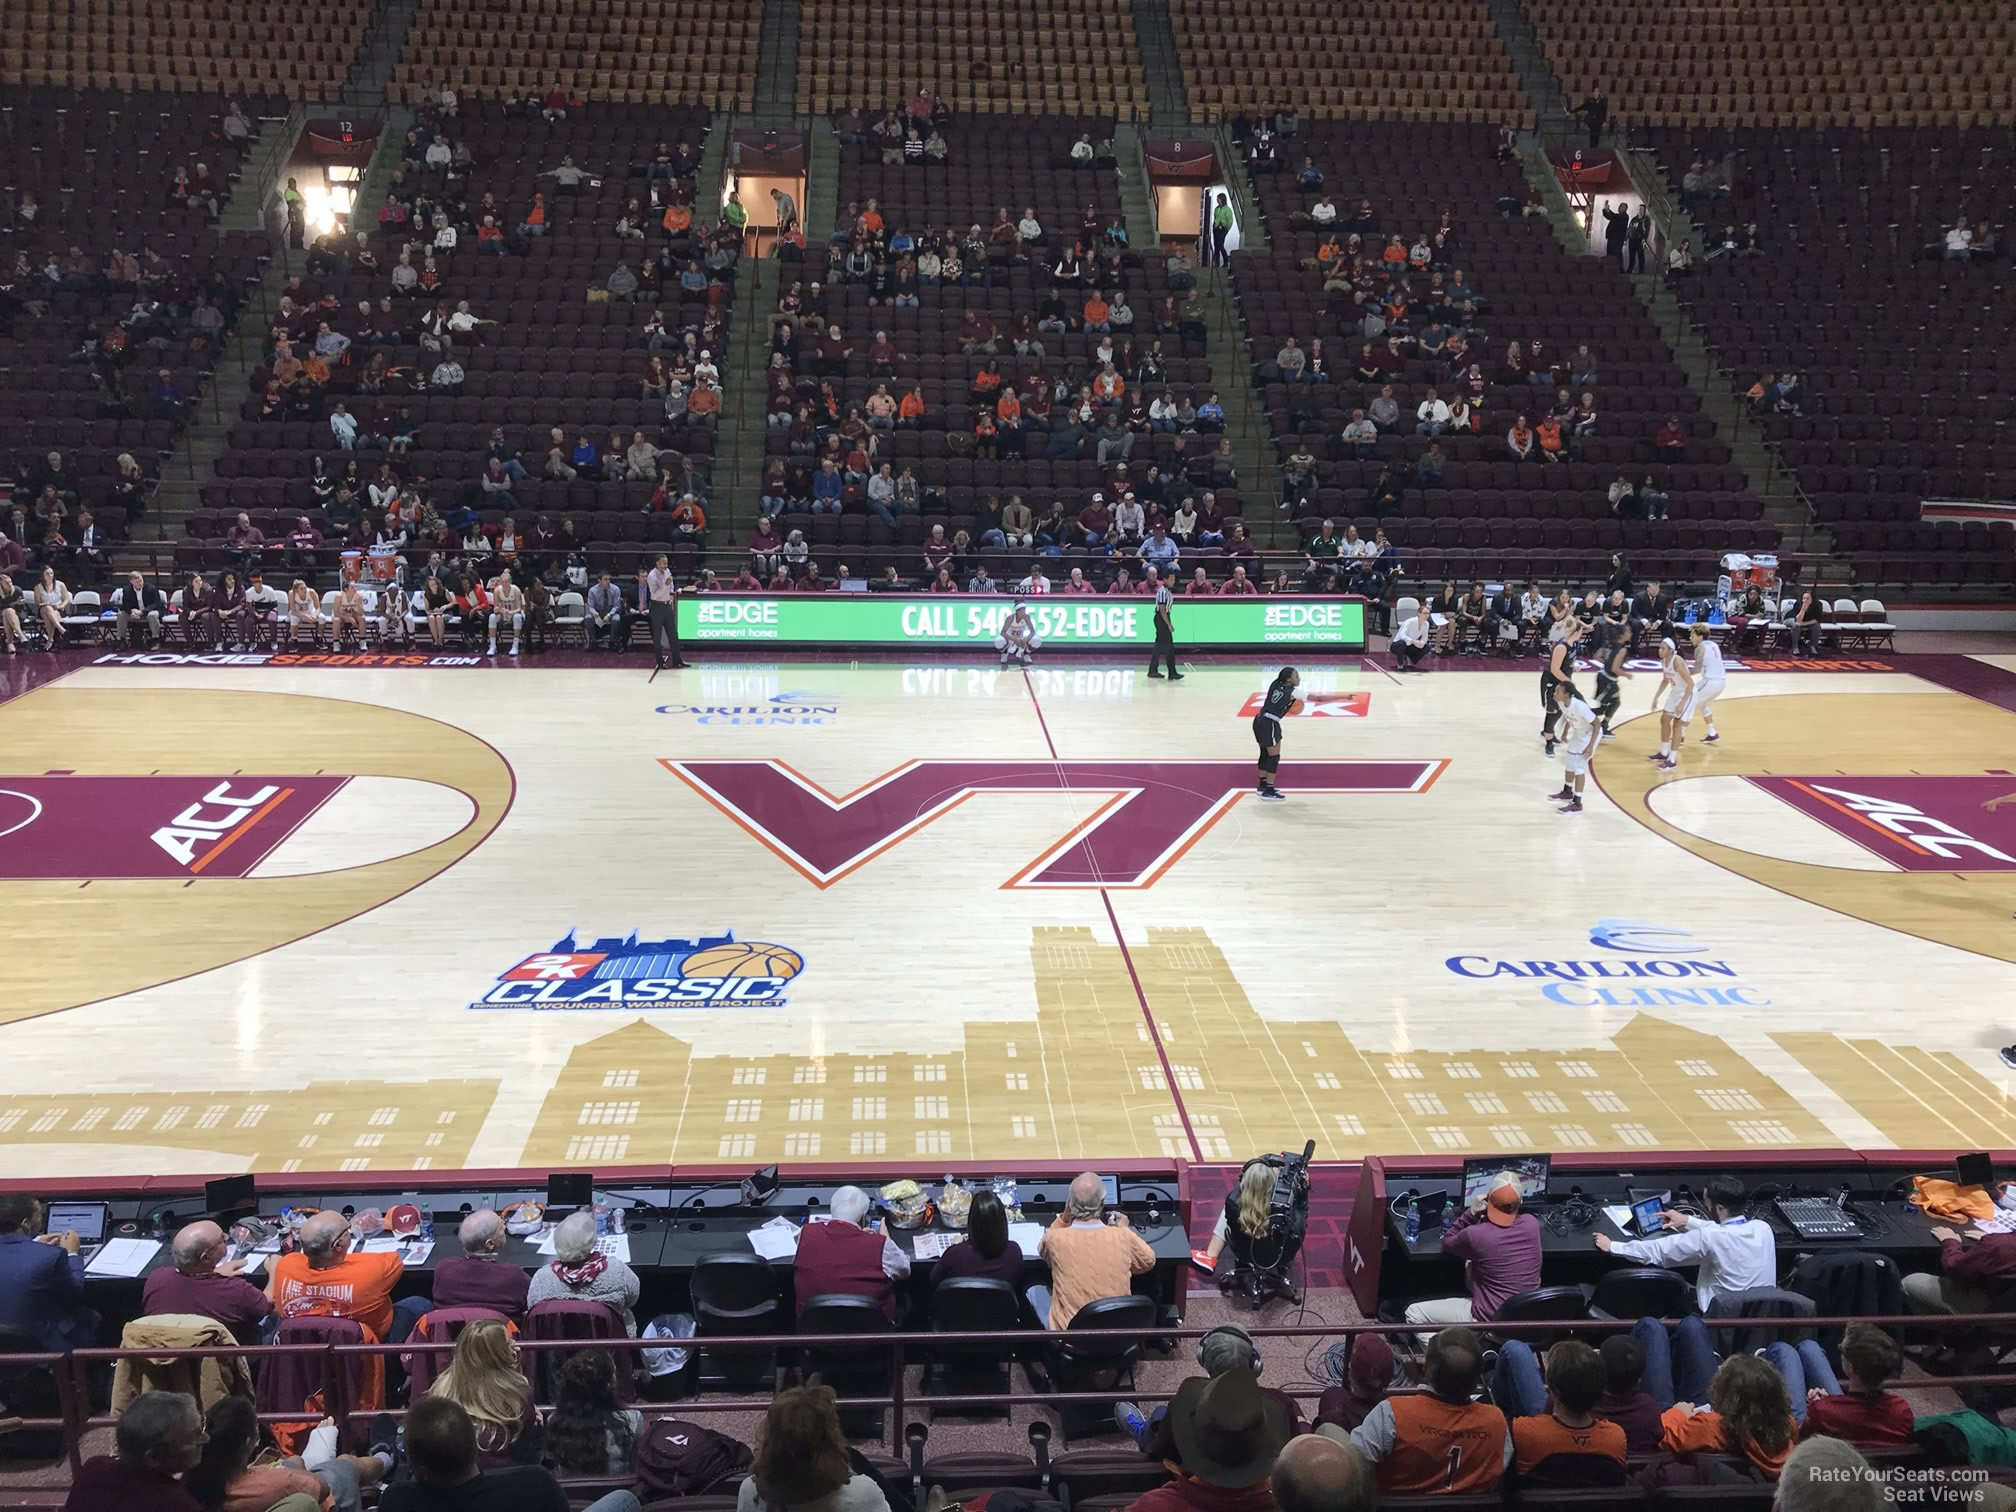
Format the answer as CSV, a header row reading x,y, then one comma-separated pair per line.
x,y
717,971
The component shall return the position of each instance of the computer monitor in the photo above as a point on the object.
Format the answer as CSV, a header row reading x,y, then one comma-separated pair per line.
x,y
231,1196
1976,1170
85,1219
1479,1172
570,1189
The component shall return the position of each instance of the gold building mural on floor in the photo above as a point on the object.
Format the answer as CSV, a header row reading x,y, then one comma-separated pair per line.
x,y
1925,1099
1085,1078
325,1126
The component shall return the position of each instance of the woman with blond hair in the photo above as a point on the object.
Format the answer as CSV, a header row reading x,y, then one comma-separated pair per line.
x,y
1247,1215
304,612
484,1380
12,602
801,1460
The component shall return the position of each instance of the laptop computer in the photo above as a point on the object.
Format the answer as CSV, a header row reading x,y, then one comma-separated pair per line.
x,y
1976,1170
89,1220
1645,1216
568,1192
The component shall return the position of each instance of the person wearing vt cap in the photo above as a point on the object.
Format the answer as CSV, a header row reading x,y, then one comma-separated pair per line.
x,y
1367,1377
1227,1430
1500,1247
1226,1347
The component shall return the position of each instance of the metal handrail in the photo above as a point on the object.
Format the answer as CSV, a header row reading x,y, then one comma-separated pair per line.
x,y
72,1372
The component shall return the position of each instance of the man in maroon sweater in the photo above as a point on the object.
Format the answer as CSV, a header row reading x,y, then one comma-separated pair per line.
x,y
1095,522
480,1276
1971,1280
1501,1247
159,1438
840,1257
203,1283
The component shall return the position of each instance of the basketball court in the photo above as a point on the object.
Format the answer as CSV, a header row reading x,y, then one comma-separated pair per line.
x,y
272,917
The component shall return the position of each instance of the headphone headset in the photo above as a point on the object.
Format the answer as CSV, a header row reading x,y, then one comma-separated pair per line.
x,y
1233,1329
1574,1212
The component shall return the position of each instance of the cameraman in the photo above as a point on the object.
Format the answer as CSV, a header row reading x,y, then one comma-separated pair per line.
x,y
1259,1239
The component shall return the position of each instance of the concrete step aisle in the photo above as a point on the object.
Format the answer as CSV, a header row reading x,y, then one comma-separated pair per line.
x,y
378,54
822,189
1231,359
190,465
1162,64
777,63
1137,206
738,457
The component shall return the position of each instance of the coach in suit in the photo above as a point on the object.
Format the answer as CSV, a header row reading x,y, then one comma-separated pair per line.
x,y
42,1280
139,605
1652,610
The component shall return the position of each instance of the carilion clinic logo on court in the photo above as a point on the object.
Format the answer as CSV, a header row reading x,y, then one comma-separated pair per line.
x,y
1660,967
718,971
777,709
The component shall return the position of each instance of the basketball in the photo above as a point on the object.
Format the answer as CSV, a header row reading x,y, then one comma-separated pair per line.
x,y
744,958
1294,708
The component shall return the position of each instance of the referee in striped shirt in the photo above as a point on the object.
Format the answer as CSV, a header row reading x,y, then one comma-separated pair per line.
x,y
1165,629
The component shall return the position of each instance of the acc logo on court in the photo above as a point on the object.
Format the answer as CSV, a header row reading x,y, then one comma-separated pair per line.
x,y
718,971
1919,823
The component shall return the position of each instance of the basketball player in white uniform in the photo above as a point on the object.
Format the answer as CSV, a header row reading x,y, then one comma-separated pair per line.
x,y
1018,639
507,606
1709,680
1576,733
1676,686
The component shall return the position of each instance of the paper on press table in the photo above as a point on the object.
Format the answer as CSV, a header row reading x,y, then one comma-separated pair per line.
x,y
932,1246
123,1257
775,1240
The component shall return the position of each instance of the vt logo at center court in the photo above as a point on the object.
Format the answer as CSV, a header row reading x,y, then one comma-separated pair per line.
x,y
1153,812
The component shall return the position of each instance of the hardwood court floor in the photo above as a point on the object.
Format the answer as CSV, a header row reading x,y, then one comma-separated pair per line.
x,y
285,918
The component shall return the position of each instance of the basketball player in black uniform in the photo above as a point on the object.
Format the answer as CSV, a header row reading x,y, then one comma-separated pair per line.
x,y
1560,668
1267,728
1610,677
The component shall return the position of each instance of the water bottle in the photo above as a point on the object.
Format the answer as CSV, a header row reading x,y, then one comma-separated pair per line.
x,y
1448,1215
1413,1215
427,1222
601,1218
